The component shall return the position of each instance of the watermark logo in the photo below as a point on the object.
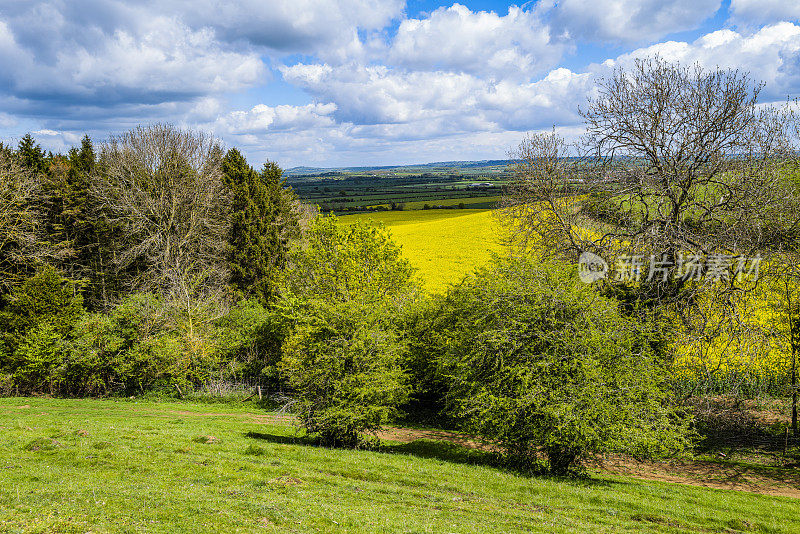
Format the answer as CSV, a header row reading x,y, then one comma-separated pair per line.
x,y
592,268
694,267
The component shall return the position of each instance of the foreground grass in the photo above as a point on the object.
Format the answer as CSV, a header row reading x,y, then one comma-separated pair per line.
x,y
444,245
125,466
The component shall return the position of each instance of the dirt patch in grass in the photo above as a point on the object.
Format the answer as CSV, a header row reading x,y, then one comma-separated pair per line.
x,y
206,440
777,482
409,435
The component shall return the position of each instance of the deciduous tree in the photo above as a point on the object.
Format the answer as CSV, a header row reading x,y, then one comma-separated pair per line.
x,y
162,191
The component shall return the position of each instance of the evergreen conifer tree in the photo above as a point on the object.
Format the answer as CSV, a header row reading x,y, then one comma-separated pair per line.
x,y
262,223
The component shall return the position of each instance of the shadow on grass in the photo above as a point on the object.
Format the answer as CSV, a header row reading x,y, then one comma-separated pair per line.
x,y
446,452
421,448
459,454
282,439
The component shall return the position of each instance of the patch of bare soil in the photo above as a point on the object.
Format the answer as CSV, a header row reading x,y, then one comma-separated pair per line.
x,y
781,482
408,435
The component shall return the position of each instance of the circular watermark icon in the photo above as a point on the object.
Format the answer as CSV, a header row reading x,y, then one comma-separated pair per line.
x,y
592,267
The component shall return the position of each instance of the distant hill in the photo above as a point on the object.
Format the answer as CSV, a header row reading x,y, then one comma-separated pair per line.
x,y
450,166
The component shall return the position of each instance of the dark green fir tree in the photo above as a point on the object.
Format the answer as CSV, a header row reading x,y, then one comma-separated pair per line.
x,y
262,225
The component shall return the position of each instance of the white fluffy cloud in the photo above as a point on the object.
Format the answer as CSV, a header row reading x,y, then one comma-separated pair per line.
x,y
625,20
327,28
379,94
349,81
266,119
482,43
771,55
430,103
155,59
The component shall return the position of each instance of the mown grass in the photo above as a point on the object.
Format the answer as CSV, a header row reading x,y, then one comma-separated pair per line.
x,y
129,466
444,245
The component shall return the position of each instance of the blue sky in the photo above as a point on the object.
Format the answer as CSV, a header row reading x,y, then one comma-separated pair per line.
x,y
359,82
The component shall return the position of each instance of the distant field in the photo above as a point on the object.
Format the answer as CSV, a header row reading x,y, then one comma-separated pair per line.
x,y
136,466
346,191
443,244
485,203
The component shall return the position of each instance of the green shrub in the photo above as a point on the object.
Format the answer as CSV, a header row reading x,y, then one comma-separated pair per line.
x,y
36,324
344,362
97,360
40,358
140,345
358,261
249,340
427,327
542,364
6,384
162,345
343,355
45,298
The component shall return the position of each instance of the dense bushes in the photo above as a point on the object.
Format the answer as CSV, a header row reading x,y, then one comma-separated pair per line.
x,y
40,313
144,343
158,209
244,290
344,355
526,355
520,353
344,362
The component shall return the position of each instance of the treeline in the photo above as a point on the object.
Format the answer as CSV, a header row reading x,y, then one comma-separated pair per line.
x,y
159,261
137,264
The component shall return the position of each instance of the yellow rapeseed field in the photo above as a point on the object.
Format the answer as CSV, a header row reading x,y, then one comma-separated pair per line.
x,y
444,245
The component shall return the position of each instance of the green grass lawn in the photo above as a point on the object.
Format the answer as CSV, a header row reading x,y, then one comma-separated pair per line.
x,y
133,466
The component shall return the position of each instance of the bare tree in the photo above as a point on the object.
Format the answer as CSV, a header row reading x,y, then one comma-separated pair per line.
x,y
162,191
20,243
676,161
541,202
681,180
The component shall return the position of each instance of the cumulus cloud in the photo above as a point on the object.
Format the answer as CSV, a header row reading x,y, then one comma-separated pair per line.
x,y
484,43
361,81
379,94
158,61
441,102
328,29
263,118
379,105
771,55
625,20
